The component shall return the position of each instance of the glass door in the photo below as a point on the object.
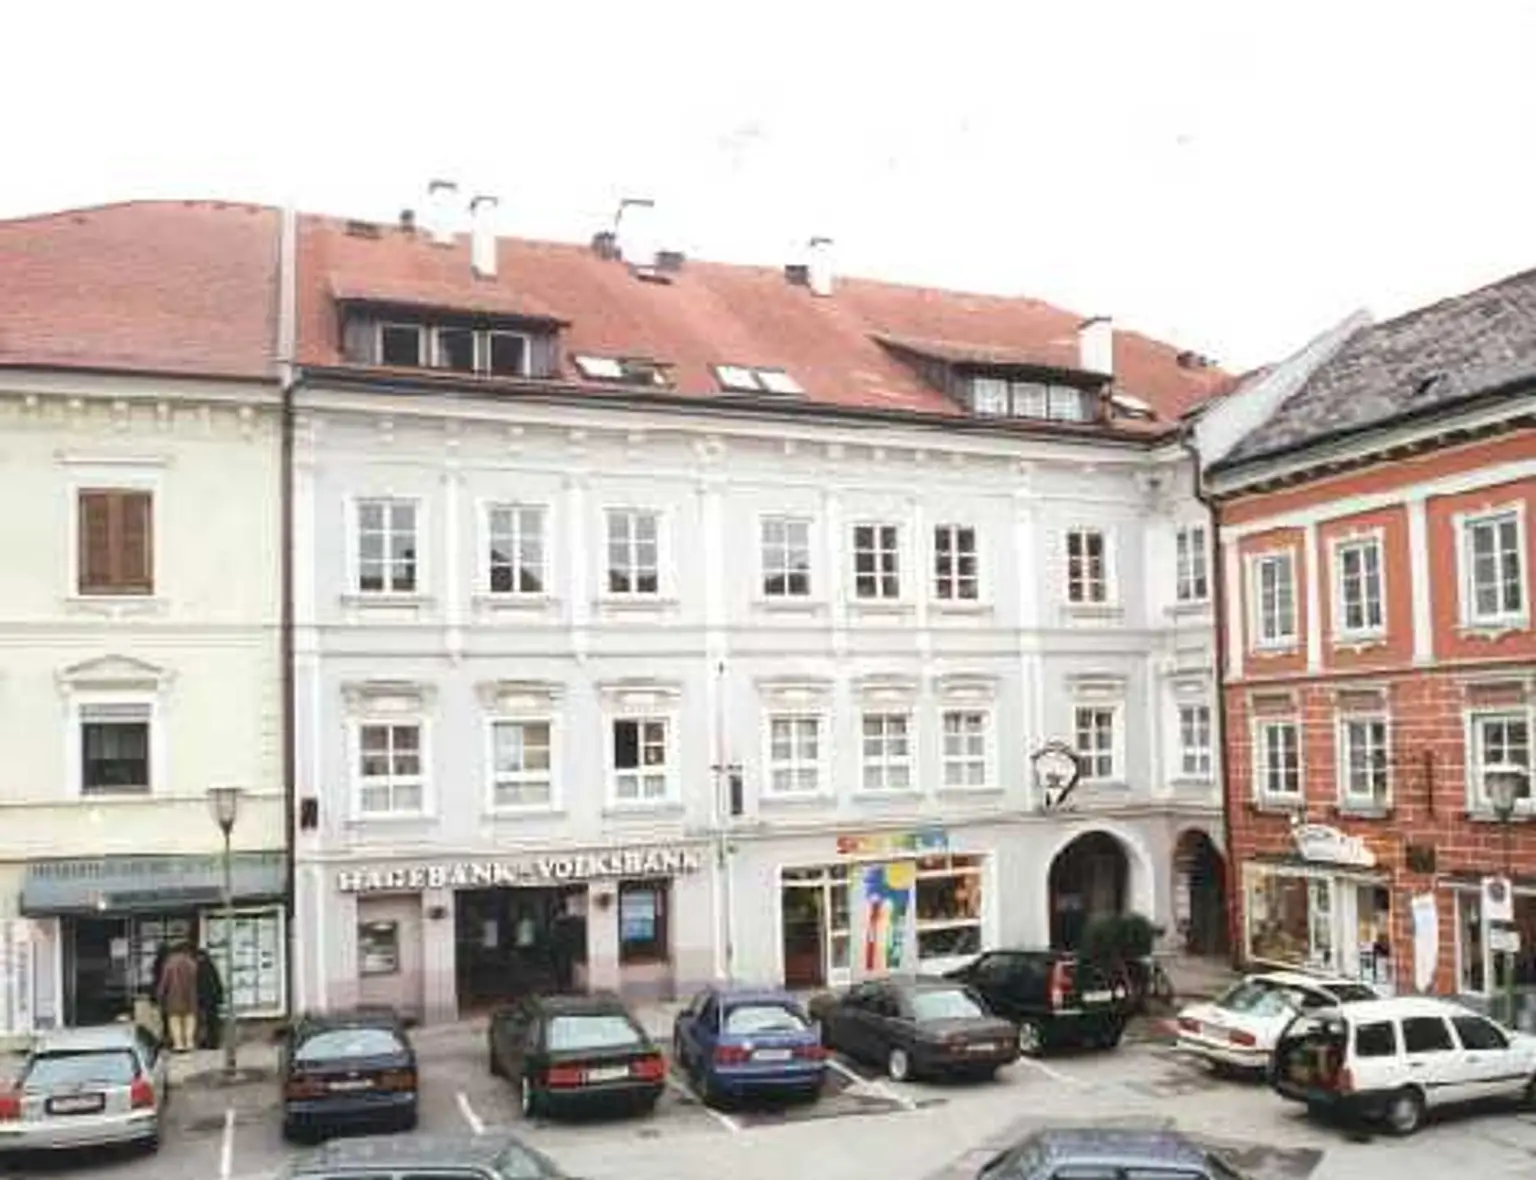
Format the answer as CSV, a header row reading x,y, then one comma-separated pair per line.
x,y
839,929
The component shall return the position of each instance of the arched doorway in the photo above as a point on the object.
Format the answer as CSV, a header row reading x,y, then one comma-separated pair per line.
x,y
1200,894
1090,878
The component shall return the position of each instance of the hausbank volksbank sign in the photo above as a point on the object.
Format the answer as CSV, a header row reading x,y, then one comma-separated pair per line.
x,y
529,871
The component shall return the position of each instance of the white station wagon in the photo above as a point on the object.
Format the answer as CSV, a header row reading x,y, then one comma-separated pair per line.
x,y
1394,1060
1239,1028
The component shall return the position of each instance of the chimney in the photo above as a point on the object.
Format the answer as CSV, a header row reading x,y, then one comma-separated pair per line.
x,y
440,212
482,236
635,224
1096,346
818,267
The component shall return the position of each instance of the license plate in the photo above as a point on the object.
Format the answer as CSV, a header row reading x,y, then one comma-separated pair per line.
x,y
1097,997
772,1055
982,1047
608,1073
77,1104
356,1084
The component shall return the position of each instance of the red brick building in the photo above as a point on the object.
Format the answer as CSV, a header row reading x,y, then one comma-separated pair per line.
x,y
1379,657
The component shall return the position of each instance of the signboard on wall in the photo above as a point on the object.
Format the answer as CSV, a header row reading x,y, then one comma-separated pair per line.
x,y
16,1000
1319,842
539,870
919,842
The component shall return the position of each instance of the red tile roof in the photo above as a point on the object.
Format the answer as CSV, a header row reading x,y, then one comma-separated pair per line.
x,y
713,313
186,287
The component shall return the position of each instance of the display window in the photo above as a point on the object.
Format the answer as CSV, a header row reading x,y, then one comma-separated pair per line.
x,y
642,921
947,911
1290,920
1479,968
1373,934
253,979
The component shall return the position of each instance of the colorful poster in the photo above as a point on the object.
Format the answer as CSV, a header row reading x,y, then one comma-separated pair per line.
x,y
887,898
1426,941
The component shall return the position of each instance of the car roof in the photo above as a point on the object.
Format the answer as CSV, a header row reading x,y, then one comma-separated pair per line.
x,y
741,993
595,1004
352,1018
920,983
87,1038
1118,1145
1401,1006
426,1150
1302,979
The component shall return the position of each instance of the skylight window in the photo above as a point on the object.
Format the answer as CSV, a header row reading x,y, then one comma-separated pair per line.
x,y
627,369
741,379
600,368
736,377
1131,406
778,381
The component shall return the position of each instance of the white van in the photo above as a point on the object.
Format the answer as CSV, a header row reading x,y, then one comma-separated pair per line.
x,y
1393,1060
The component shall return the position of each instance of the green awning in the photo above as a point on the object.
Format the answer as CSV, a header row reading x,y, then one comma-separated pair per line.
x,y
89,885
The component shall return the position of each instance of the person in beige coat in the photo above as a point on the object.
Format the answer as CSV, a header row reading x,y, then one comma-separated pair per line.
x,y
178,998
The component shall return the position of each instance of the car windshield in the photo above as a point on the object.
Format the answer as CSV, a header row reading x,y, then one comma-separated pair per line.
x,y
763,1018
949,1004
517,1164
340,1043
1259,997
107,1067
596,1030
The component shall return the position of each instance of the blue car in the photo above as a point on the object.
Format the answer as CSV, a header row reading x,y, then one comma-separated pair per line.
x,y
735,1042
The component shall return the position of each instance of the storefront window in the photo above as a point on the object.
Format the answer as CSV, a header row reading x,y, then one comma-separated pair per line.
x,y
1373,919
378,948
643,922
948,909
254,981
1471,949
1290,920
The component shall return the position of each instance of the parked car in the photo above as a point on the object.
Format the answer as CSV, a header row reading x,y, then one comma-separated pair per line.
x,y
346,1070
495,1155
734,1041
1239,1028
86,1087
1054,1000
916,1027
1395,1060
1107,1152
562,1051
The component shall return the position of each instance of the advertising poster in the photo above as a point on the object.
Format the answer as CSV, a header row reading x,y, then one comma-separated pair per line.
x,y
637,916
887,900
1426,941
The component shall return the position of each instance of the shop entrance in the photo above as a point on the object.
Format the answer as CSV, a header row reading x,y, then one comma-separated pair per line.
x,y
97,971
1200,903
518,942
1088,880
813,909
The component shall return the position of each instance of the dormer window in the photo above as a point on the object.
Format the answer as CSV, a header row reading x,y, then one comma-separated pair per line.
x,y
625,370
401,344
457,348
1002,397
741,379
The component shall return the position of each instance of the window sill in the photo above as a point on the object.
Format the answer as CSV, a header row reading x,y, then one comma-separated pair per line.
x,y
881,606
1363,810
903,796
636,603
1487,816
116,798
542,811
357,600
357,820
986,791
1493,630
1266,651
1105,784
807,799
789,605
488,601
1101,611
115,605
1359,641
1195,606
659,807
1193,780
960,606
1268,805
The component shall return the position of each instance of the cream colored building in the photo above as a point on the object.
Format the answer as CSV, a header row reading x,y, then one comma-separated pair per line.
x,y
140,656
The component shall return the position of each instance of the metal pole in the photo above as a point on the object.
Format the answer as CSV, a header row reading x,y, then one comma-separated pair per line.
x,y
1509,955
229,957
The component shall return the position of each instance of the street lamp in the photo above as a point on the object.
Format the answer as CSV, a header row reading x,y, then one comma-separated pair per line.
x,y
1506,785
224,805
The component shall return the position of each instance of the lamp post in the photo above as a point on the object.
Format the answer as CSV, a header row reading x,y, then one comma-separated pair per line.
x,y
224,804
1506,784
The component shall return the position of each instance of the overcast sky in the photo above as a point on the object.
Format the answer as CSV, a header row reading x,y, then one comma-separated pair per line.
x,y
1232,181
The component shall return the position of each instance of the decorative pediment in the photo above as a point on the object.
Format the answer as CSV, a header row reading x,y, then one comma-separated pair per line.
x,y
1271,702
886,688
640,692
115,674
1188,685
519,696
1097,686
374,697
1495,689
792,692
965,687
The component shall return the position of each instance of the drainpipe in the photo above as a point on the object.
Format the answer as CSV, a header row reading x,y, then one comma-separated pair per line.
x,y
287,372
1219,710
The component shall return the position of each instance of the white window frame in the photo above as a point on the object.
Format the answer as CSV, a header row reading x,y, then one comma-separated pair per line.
x,y
355,727
426,341
898,550
670,769
1500,619
483,341
821,764
547,539
1337,547
1342,750
1107,541
89,473
1116,711
1259,749
1281,640
952,581
1477,797
355,505
1204,756
87,708
763,572
988,756
1192,564
493,778
663,552
885,762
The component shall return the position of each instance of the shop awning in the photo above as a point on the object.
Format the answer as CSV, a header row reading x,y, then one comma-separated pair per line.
x,y
148,883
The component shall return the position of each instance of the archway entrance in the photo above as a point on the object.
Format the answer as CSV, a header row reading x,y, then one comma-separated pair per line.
x,y
1200,894
1089,879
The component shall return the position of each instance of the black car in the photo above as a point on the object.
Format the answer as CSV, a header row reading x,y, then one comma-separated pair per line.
x,y
340,1071
1107,1152
915,1027
1054,999
494,1155
562,1051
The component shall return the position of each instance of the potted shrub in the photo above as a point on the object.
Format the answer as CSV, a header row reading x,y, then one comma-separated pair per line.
x,y
1121,945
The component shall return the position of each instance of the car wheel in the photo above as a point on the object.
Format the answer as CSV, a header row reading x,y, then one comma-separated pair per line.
x,y
1528,1097
1110,1037
1031,1038
709,1092
1405,1111
898,1065
408,1122
528,1099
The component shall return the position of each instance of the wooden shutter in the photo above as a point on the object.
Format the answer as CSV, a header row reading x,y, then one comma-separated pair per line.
x,y
116,542
95,542
136,563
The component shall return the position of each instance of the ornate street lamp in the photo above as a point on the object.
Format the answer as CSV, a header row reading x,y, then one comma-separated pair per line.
x,y
224,806
1506,785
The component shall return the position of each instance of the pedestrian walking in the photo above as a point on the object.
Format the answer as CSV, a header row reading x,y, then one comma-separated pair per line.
x,y
178,997
210,1001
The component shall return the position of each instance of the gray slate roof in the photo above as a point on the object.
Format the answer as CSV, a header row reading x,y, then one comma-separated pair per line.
x,y
1428,359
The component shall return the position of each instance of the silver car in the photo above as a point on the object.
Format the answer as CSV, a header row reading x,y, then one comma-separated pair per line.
x,y
84,1087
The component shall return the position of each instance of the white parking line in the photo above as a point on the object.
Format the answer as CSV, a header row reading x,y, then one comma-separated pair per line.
x,y
476,1123
227,1147
1055,1074
719,1116
873,1084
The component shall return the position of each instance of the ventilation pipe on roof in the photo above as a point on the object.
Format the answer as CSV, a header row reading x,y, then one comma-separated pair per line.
x,y
818,266
1096,345
635,226
441,212
482,236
